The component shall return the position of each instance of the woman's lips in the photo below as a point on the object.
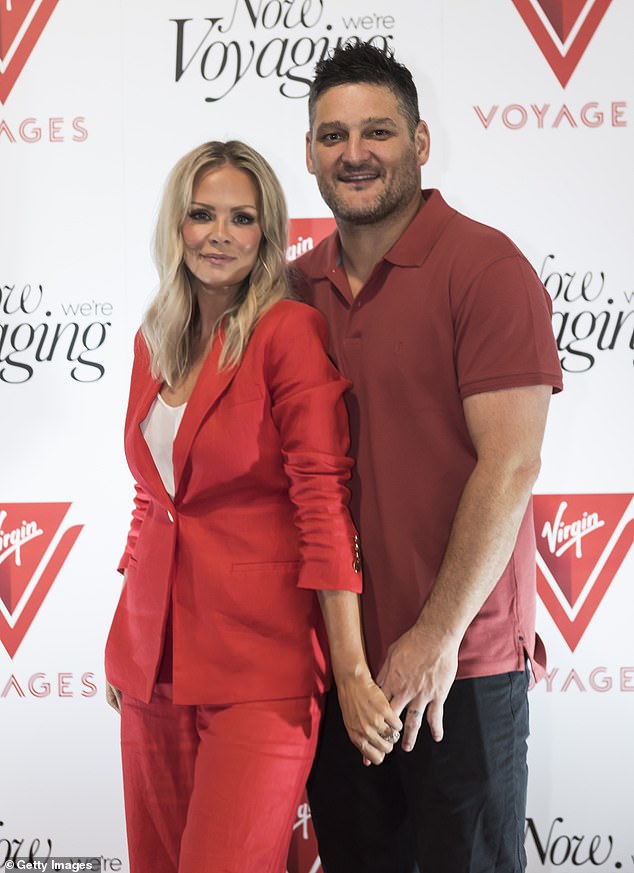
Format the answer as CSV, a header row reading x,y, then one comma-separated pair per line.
x,y
215,258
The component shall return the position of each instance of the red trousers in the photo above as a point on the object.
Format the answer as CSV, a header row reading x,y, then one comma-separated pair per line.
x,y
214,789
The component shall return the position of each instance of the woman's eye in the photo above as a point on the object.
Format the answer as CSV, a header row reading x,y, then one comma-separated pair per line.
x,y
243,218
199,215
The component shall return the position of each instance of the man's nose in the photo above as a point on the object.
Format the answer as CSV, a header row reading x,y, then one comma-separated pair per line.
x,y
356,150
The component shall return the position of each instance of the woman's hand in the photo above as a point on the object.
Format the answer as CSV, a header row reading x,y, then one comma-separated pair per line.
x,y
372,724
113,697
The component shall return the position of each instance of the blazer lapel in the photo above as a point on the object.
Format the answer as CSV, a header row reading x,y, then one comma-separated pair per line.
x,y
209,388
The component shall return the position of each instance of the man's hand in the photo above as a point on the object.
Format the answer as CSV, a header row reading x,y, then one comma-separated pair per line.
x,y
418,672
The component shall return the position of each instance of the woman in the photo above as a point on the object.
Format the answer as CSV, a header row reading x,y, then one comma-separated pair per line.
x,y
236,435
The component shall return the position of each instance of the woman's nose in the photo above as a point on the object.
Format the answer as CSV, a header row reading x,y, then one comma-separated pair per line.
x,y
220,230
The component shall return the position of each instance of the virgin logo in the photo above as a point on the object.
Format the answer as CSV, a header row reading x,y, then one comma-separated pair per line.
x,y
21,25
562,29
303,854
305,233
582,539
32,552
11,543
561,535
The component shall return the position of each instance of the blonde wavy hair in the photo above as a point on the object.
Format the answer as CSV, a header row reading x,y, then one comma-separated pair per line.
x,y
172,323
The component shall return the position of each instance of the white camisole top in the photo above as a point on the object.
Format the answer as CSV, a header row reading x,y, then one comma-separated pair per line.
x,y
159,429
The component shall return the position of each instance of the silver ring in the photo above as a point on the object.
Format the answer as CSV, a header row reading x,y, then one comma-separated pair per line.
x,y
391,736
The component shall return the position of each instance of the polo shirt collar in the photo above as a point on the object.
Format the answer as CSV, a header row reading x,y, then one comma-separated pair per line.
x,y
422,233
324,258
410,250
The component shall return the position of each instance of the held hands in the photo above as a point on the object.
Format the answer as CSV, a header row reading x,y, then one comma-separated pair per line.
x,y
372,724
418,672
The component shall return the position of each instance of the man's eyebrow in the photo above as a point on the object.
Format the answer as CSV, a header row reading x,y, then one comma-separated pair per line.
x,y
386,120
332,125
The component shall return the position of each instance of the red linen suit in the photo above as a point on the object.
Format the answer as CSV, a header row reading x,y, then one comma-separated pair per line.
x,y
258,521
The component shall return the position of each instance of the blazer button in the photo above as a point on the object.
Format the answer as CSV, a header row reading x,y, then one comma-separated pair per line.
x,y
356,564
170,516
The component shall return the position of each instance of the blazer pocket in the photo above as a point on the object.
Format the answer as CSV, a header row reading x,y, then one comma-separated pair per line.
x,y
263,598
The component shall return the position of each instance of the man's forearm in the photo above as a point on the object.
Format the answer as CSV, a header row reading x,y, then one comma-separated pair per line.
x,y
480,545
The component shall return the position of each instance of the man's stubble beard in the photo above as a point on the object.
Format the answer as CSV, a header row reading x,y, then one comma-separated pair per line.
x,y
393,199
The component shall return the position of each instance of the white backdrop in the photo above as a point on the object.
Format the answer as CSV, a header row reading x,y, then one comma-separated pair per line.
x,y
96,104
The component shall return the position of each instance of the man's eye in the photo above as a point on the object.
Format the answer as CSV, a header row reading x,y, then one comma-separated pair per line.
x,y
380,133
329,138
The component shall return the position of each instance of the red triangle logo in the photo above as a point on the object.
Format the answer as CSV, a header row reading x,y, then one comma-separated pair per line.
x,y
29,563
562,29
21,24
562,14
582,539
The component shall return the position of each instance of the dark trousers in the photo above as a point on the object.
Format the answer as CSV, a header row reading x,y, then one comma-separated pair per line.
x,y
457,806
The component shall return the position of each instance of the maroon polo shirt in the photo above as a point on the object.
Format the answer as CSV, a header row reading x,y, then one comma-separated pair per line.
x,y
453,309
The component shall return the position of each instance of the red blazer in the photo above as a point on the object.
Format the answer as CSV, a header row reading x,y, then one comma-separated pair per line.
x,y
259,521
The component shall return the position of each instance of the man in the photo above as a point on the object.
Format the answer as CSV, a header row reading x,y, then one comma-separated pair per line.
x,y
444,329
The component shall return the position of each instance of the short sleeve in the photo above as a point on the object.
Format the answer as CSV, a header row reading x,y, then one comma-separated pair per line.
x,y
503,330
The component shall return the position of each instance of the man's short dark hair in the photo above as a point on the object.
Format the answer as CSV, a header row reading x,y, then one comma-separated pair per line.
x,y
359,62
